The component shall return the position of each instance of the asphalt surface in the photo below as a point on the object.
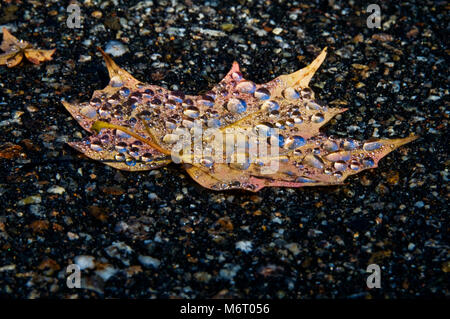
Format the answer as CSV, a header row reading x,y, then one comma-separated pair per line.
x,y
160,235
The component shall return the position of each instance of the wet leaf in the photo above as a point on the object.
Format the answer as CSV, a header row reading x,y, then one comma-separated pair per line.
x,y
15,50
238,135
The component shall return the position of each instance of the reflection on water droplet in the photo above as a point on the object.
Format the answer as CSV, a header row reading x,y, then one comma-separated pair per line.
x,y
337,175
104,111
213,122
262,94
124,92
120,157
237,76
116,81
302,179
340,165
270,106
121,147
290,93
191,112
246,87
122,134
171,124
176,96
349,145
147,157
317,118
313,106
338,156
134,151
330,146
130,161
371,146
89,111
207,100
236,106
294,142
96,146
264,129
313,160
306,93
207,161
354,165
170,138
368,162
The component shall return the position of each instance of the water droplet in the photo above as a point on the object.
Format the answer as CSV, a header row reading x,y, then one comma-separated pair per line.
x,y
294,142
134,151
237,76
330,146
277,140
313,106
368,162
306,93
354,165
89,111
104,111
171,124
124,92
130,161
147,157
302,179
116,82
313,160
337,175
371,146
338,156
120,157
177,96
236,106
241,166
170,138
213,122
207,100
121,147
340,165
349,145
170,104
317,118
122,134
96,146
262,94
246,87
207,161
291,94
192,112
270,106
264,129
155,102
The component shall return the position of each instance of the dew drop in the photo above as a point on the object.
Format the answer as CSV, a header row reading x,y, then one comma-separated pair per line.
x,y
97,146
89,111
338,156
314,161
116,81
124,92
371,146
120,157
170,138
270,106
349,145
294,142
340,165
147,157
236,106
246,87
368,162
330,146
130,161
262,94
317,118
302,179
291,94
192,112
121,147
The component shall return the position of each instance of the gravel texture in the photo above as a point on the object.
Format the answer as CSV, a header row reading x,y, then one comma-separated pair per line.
x,y
158,234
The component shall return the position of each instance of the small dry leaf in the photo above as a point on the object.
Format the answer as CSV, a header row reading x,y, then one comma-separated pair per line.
x,y
16,49
261,134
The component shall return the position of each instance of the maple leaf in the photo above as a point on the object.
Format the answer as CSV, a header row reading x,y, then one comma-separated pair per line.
x,y
260,134
16,49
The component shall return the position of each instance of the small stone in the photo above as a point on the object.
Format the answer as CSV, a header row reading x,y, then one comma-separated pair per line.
x,y
116,48
33,199
85,262
149,262
56,190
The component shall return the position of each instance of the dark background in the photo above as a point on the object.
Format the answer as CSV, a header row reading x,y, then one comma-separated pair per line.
x,y
305,243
